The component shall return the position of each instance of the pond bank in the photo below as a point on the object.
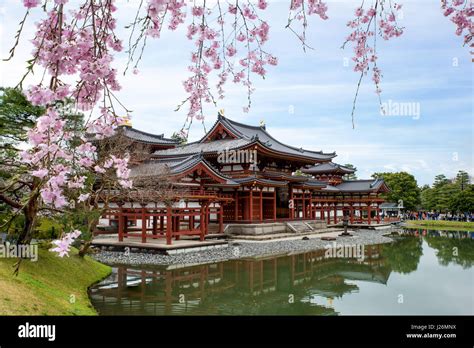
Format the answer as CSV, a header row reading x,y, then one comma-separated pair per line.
x,y
440,225
49,286
238,249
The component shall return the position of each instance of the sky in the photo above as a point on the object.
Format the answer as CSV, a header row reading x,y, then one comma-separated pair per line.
x,y
306,100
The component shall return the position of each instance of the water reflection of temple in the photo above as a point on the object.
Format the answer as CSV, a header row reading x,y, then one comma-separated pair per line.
x,y
240,287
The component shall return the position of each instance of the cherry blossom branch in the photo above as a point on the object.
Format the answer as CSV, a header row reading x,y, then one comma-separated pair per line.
x,y
460,12
364,26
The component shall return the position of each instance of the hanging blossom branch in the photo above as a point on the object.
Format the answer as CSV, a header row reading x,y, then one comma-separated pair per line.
x,y
228,43
299,12
460,12
75,44
229,39
364,27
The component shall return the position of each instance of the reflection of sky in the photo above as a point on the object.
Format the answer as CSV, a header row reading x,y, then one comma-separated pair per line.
x,y
418,67
431,289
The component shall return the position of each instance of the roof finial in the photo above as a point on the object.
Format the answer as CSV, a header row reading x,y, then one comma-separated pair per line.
x,y
262,123
126,121
220,113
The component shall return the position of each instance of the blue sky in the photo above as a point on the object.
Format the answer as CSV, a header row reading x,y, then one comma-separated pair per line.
x,y
426,65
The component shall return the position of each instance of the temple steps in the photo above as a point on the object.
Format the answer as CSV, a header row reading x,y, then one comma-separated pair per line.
x,y
305,226
276,228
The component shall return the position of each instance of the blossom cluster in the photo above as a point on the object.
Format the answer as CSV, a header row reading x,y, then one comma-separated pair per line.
x,y
313,7
231,46
460,12
65,48
364,27
63,245
73,45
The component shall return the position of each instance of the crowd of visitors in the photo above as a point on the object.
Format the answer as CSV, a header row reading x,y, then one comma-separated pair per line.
x,y
430,215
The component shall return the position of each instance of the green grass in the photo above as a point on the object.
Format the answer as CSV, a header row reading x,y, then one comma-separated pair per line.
x,y
436,224
49,286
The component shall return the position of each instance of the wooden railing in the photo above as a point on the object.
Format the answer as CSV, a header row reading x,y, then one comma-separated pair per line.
x,y
166,222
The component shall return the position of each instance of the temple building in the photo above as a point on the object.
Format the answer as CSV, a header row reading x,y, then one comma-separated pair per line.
x,y
240,174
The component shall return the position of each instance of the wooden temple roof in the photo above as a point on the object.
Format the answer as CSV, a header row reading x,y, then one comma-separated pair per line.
x,y
147,138
245,131
178,167
241,136
356,186
205,148
328,168
260,181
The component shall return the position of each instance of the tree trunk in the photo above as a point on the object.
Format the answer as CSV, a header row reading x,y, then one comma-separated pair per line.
x,y
30,212
85,248
87,243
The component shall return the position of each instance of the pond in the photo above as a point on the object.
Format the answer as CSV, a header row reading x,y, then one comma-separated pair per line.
x,y
423,272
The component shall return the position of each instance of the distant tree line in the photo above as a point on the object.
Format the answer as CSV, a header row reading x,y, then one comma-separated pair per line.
x,y
454,195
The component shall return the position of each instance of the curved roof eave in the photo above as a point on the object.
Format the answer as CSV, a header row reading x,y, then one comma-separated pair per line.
x,y
231,125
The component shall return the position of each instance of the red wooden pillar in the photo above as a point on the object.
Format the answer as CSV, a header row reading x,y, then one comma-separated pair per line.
x,y
303,202
378,213
322,211
335,213
169,223
351,212
120,223
261,204
329,214
292,204
125,223
162,223
177,225
236,205
154,223
369,212
203,221
274,204
251,204
221,218
143,224
208,217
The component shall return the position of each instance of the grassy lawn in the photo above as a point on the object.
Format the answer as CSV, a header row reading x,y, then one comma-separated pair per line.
x,y
435,224
46,287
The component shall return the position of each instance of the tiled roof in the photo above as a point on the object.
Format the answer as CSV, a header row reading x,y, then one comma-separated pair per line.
x,y
313,183
388,205
285,176
174,166
251,179
148,138
254,132
354,186
328,167
206,148
361,185
246,135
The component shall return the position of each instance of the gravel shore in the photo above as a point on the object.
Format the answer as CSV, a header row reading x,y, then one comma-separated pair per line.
x,y
241,249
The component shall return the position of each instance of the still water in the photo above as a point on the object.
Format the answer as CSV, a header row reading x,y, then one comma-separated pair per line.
x,y
423,272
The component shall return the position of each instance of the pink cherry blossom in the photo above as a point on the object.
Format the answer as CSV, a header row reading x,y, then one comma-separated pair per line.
x,y
40,173
460,13
83,197
63,245
31,3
